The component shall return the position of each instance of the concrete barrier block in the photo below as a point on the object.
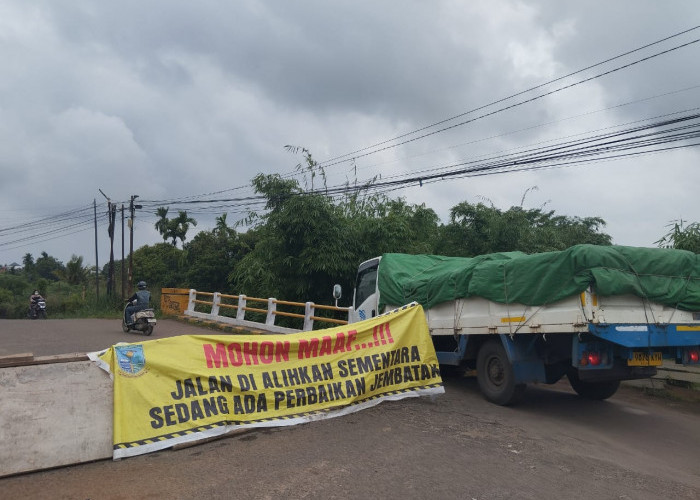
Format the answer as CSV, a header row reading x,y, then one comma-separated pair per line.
x,y
54,414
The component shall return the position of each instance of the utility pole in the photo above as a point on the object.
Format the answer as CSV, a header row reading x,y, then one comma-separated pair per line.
x,y
97,264
122,266
132,209
112,218
111,215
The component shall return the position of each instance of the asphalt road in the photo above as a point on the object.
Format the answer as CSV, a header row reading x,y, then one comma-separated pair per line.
x,y
457,445
64,336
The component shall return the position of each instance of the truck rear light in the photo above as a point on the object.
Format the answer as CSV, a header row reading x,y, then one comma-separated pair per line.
x,y
594,358
693,356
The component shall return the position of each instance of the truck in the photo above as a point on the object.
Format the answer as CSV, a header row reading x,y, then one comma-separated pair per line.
x,y
595,314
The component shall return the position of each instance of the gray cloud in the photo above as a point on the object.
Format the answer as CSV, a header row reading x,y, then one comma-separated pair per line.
x,y
170,99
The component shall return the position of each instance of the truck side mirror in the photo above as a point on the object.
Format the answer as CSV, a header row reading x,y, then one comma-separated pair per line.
x,y
337,293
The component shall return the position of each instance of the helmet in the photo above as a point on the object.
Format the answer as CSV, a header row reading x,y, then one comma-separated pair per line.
x,y
141,285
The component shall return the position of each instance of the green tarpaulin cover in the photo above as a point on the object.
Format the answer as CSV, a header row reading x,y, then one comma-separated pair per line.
x,y
666,276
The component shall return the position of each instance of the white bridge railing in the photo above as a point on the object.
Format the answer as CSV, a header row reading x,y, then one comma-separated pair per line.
x,y
216,302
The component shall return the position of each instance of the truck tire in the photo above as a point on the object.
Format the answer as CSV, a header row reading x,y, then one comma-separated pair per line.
x,y
592,390
495,375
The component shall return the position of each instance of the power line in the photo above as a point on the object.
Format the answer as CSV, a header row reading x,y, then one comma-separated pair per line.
x,y
329,163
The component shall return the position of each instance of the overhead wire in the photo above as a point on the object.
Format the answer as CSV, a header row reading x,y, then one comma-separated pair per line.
x,y
505,108
354,154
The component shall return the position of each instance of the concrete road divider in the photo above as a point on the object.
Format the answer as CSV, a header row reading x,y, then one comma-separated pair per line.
x,y
54,414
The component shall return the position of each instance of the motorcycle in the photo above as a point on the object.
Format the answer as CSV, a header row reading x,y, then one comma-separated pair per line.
x,y
143,321
37,309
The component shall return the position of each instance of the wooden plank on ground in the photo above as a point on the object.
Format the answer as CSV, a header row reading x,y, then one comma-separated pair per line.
x,y
16,359
28,359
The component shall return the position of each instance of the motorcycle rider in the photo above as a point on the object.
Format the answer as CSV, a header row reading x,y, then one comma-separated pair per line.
x,y
138,301
33,299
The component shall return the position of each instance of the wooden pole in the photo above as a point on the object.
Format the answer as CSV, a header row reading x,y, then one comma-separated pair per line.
x,y
97,264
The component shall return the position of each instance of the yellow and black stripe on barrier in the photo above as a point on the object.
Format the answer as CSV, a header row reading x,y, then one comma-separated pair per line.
x,y
164,437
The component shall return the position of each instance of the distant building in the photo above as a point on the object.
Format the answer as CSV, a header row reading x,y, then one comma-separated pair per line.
x,y
11,268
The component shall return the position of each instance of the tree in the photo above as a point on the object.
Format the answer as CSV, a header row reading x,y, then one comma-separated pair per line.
x,y
158,264
46,267
75,273
480,229
211,255
306,243
163,223
28,262
174,228
301,248
179,226
681,236
222,230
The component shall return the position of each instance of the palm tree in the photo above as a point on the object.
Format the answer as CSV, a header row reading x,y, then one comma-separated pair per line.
x,y
221,229
179,227
163,223
75,272
28,260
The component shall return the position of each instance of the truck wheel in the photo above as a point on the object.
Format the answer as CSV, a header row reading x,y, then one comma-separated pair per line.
x,y
592,390
495,375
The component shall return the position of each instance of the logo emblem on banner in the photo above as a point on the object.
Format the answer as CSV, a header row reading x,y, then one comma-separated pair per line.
x,y
131,359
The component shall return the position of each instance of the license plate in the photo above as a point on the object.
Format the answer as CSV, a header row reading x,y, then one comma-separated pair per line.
x,y
645,359
151,320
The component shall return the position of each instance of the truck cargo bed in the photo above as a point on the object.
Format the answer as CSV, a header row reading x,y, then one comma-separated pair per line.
x,y
573,314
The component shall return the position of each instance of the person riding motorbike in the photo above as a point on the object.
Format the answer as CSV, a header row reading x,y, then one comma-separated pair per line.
x,y
34,310
138,301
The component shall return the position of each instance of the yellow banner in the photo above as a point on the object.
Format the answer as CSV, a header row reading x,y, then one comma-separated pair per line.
x,y
180,389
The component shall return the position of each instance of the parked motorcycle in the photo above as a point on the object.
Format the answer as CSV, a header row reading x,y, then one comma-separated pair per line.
x,y
142,321
37,309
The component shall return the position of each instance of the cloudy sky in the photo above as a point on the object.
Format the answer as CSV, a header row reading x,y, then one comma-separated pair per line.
x,y
180,101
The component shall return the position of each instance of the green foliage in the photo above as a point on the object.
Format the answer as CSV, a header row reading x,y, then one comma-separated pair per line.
x,y
173,228
306,243
301,247
17,284
479,229
46,267
682,236
158,264
63,299
180,225
211,255
162,222
6,303
75,273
